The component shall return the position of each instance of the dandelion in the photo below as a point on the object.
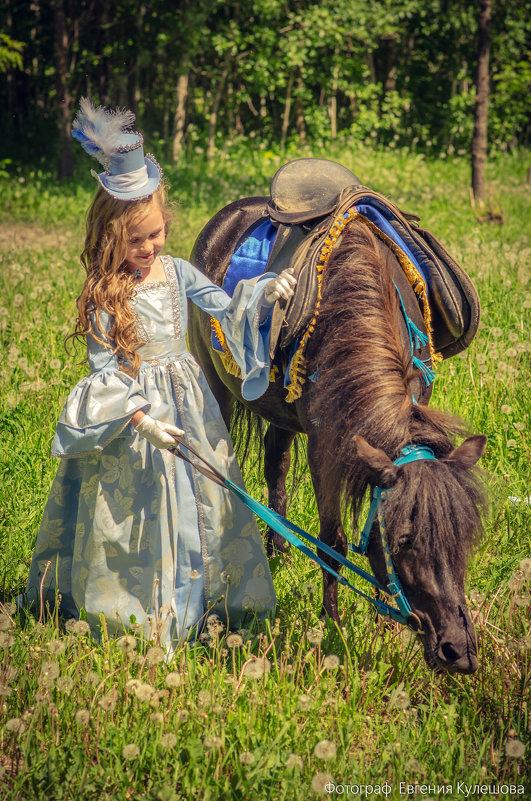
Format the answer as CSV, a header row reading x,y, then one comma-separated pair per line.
x,y
108,701
203,698
225,577
496,332
512,443
314,636
155,655
56,647
506,409
5,622
168,740
83,717
294,761
414,766
5,691
213,742
6,639
246,758
519,426
144,692
130,751
515,749
234,641
325,749
522,600
64,684
16,725
49,672
92,678
194,574
321,781
55,364
18,299
304,702
257,668
77,626
331,662
525,567
10,607
511,353
126,644
173,680
401,699
476,598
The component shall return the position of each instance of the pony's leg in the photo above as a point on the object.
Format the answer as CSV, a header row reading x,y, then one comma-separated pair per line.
x,y
331,533
277,459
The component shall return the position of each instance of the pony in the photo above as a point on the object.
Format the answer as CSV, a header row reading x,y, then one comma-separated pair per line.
x,y
366,402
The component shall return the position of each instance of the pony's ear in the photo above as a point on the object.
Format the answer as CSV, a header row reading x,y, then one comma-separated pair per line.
x,y
469,452
377,461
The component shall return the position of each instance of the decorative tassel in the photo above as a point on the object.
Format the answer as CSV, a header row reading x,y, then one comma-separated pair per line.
x,y
427,373
419,339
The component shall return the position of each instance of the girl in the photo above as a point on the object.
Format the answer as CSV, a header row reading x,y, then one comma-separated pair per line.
x,y
130,531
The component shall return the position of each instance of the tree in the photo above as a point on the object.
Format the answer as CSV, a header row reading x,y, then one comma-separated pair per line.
x,y
479,138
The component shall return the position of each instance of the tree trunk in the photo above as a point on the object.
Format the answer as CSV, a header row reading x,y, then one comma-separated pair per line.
x,y
213,119
180,114
479,138
64,99
287,112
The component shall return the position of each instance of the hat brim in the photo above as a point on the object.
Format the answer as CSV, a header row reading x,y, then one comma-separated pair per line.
x,y
152,184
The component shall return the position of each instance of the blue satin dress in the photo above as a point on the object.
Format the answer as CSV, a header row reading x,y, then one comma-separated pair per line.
x,y
130,531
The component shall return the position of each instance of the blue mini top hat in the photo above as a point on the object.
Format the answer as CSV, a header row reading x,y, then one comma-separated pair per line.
x,y
106,135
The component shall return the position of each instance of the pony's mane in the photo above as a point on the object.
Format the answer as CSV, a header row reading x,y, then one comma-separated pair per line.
x,y
367,372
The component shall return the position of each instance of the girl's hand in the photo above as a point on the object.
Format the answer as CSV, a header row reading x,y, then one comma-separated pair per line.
x,y
161,435
281,287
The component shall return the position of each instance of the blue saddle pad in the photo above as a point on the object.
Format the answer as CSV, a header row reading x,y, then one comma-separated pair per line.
x,y
248,261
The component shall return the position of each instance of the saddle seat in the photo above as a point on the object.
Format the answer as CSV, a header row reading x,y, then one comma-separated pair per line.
x,y
306,189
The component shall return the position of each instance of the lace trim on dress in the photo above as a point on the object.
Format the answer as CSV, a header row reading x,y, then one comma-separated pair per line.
x,y
169,269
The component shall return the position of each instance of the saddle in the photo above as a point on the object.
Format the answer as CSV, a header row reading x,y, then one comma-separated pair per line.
x,y
307,198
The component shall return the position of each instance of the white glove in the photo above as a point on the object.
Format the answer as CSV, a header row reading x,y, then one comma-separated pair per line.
x,y
158,433
283,286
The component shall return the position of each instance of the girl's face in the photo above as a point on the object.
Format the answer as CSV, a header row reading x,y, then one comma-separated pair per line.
x,y
145,238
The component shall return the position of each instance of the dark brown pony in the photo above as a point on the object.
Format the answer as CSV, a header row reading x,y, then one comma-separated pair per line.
x,y
363,394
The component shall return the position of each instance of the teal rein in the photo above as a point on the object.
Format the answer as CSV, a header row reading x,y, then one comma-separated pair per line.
x,y
289,531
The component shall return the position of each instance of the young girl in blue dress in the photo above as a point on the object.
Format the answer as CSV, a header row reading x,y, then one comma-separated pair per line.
x,y
130,531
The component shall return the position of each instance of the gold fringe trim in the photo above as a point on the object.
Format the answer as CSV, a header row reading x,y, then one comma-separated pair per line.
x,y
418,285
229,362
297,370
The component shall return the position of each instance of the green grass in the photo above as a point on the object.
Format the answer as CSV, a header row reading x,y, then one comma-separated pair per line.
x,y
227,730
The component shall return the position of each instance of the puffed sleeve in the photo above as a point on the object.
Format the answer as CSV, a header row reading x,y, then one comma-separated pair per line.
x,y
100,406
245,320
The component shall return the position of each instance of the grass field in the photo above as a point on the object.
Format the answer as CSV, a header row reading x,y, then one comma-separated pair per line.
x,y
356,707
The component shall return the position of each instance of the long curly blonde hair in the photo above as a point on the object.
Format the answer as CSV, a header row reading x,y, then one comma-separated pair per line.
x,y
109,285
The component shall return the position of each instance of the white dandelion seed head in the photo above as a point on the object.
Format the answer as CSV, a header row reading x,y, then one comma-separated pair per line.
x,y
211,741
16,725
144,692
304,702
5,622
400,699
173,680
325,749
6,639
155,655
83,717
234,641
321,781
56,647
314,635
127,643
515,749
331,662
64,684
168,740
246,758
294,761
256,668
525,567
130,751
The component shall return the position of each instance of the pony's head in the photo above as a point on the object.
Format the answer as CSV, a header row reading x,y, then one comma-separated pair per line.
x,y
432,520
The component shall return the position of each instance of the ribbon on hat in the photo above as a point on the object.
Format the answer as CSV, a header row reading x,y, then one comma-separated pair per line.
x,y
127,181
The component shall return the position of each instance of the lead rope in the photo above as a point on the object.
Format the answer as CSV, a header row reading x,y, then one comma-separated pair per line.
x,y
289,531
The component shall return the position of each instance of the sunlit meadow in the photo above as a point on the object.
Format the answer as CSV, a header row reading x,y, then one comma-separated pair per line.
x,y
282,709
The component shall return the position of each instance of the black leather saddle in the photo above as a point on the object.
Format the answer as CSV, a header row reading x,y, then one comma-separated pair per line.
x,y
307,195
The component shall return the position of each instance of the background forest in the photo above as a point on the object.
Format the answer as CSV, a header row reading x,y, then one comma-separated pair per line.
x,y
205,74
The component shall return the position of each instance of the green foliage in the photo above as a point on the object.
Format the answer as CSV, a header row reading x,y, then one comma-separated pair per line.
x,y
101,721
309,71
